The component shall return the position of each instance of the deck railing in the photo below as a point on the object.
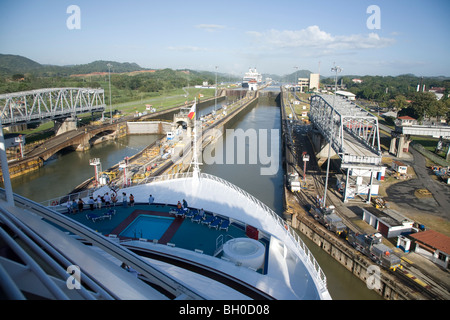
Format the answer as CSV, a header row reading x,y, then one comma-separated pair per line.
x,y
59,201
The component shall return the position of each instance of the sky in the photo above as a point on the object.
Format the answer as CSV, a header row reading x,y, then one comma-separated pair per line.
x,y
363,37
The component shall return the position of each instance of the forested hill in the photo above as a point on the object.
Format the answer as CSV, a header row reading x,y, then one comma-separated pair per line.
x,y
14,64
128,80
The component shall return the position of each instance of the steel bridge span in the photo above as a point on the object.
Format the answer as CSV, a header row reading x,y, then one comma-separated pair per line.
x,y
50,103
353,134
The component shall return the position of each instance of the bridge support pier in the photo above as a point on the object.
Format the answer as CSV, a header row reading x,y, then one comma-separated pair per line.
x,y
65,125
321,146
399,144
346,186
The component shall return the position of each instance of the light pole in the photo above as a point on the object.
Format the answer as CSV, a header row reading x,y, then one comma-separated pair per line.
x,y
296,78
215,93
109,65
4,163
336,70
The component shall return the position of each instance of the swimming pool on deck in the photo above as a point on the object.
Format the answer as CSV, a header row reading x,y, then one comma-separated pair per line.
x,y
147,227
158,224
155,224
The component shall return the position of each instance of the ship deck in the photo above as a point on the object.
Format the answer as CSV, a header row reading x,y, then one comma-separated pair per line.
x,y
128,224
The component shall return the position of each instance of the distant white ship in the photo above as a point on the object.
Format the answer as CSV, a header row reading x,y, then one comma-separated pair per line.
x,y
252,74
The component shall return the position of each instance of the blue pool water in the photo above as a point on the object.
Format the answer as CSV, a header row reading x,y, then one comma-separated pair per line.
x,y
148,227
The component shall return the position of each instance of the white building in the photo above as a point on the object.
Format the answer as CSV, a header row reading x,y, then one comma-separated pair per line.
x,y
399,167
252,85
390,223
346,94
433,245
314,79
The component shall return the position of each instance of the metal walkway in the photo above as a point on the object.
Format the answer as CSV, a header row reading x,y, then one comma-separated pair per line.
x,y
353,132
50,103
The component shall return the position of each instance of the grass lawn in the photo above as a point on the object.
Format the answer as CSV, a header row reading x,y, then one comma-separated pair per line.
x,y
169,99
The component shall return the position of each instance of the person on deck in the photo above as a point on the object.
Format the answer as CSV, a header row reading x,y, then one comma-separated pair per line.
x,y
91,203
99,202
69,207
124,200
107,200
74,206
114,199
80,205
150,199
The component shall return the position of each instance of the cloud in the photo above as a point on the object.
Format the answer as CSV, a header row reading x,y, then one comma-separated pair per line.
x,y
210,27
314,38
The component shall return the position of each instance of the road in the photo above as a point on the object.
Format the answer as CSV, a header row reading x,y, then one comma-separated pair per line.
x,y
403,193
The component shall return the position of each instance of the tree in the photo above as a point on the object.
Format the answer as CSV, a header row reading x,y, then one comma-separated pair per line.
x,y
17,77
400,102
423,104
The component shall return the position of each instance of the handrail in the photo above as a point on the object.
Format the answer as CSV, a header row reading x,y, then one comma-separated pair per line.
x,y
63,199
161,278
38,245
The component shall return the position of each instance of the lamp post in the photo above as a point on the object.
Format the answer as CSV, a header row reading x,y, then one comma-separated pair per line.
x,y
305,160
296,78
215,93
336,70
109,65
4,163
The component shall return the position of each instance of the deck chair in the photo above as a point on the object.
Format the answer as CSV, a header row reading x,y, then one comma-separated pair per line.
x,y
197,218
190,214
109,213
208,220
94,217
224,225
215,223
179,213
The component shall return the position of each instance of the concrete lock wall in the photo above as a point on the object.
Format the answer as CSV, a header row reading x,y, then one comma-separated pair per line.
x,y
351,259
149,127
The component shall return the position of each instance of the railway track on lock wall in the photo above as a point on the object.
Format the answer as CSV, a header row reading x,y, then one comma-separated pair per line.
x,y
315,177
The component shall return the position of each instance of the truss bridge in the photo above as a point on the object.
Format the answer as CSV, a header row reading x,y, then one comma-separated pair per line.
x,y
353,132
50,103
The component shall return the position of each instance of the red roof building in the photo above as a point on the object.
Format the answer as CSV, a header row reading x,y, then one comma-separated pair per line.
x,y
433,245
406,120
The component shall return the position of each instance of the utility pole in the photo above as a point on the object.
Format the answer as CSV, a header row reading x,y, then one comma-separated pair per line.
x,y
336,70
109,65
215,94
5,169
